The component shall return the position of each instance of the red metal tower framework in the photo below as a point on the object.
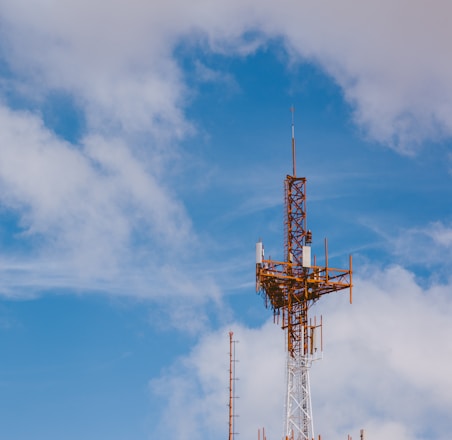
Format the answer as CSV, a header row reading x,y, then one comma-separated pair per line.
x,y
290,288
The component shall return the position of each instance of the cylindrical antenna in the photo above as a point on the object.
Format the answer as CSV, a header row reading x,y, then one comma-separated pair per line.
x,y
321,334
326,259
294,165
351,280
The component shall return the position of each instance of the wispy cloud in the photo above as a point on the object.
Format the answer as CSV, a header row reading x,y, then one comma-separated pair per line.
x,y
424,246
92,210
207,74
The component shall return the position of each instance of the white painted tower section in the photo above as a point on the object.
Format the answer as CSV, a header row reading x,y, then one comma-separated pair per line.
x,y
299,423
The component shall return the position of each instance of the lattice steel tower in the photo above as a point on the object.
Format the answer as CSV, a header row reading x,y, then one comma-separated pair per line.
x,y
290,288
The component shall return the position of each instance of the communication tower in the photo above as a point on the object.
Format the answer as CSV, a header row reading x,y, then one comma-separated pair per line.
x,y
290,288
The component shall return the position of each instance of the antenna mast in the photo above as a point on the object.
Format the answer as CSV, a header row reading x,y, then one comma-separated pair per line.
x,y
290,288
232,380
294,158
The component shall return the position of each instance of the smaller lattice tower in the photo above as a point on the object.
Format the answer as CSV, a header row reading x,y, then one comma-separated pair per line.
x,y
232,380
290,288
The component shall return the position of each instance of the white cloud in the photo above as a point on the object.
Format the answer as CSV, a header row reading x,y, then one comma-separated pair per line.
x,y
387,357
385,368
206,74
92,212
440,234
390,58
60,183
424,247
116,60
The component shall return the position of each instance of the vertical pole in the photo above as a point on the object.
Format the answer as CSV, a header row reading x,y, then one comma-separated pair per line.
x,y
326,260
326,253
351,283
321,333
231,389
292,109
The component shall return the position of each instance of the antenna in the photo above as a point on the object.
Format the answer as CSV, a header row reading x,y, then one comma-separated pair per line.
x,y
294,159
232,380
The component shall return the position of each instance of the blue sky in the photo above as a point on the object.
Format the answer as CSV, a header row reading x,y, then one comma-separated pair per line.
x,y
143,149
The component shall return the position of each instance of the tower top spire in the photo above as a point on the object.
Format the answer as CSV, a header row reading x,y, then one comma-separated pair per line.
x,y
294,159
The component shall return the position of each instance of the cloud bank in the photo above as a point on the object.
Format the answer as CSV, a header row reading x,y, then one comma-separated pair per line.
x,y
390,59
383,370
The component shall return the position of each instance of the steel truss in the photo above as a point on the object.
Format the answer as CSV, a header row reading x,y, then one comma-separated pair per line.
x,y
290,288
